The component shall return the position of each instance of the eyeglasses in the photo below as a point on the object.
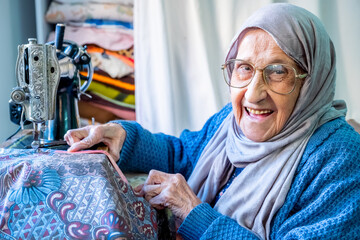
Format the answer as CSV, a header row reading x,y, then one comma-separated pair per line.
x,y
280,78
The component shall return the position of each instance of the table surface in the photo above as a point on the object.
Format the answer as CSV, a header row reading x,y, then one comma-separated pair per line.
x,y
23,139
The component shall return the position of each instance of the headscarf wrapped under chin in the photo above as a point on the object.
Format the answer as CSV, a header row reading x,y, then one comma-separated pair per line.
x,y
260,190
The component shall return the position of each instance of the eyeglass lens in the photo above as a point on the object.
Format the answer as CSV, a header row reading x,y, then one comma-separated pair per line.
x,y
280,78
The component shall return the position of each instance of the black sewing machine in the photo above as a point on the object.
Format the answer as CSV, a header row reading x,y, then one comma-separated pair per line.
x,y
49,87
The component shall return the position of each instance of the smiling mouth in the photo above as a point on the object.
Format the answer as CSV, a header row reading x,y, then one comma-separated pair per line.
x,y
255,112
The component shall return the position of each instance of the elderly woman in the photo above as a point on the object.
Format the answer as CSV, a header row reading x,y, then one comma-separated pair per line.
x,y
279,162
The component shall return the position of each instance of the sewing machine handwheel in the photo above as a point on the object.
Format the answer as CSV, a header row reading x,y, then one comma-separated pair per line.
x,y
87,78
80,57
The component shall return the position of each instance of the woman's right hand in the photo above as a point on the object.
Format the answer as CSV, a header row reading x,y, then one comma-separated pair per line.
x,y
111,134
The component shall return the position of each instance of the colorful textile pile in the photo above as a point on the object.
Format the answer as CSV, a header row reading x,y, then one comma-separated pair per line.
x,y
106,28
58,195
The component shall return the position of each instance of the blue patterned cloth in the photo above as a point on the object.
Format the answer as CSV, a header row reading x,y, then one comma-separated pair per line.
x,y
322,203
58,195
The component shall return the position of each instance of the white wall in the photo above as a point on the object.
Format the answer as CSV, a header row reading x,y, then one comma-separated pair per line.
x,y
17,18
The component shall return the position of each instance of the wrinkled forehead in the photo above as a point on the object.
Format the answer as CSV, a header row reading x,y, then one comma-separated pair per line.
x,y
263,35
257,43
294,29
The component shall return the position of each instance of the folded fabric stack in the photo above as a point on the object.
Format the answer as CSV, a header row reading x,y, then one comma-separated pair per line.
x,y
106,28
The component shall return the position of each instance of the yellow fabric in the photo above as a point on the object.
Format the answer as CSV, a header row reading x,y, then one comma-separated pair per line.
x,y
114,101
111,81
110,92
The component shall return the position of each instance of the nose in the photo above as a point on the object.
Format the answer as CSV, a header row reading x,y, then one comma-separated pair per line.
x,y
256,90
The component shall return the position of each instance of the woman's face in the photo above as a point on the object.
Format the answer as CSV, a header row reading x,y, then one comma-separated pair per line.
x,y
261,113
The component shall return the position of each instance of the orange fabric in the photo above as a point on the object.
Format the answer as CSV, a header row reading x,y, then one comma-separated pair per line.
x,y
126,60
111,81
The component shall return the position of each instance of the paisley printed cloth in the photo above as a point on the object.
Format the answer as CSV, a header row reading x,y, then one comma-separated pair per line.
x,y
58,195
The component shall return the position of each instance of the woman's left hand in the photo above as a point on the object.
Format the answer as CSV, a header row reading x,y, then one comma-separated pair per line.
x,y
169,190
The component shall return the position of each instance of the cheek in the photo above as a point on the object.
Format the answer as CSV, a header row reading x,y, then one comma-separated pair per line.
x,y
285,108
237,95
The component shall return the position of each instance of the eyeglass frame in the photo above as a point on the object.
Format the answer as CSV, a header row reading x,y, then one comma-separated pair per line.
x,y
297,76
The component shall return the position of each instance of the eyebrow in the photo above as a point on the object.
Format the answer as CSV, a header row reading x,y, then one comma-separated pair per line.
x,y
274,61
282,61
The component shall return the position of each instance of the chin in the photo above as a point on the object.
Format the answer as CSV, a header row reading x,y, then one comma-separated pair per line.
x,y
256,138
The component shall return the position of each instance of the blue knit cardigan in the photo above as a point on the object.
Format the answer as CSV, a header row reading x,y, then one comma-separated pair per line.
x,y
322,203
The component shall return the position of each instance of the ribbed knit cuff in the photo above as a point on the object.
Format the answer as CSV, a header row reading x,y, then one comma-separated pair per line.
x,y
198,220
127,148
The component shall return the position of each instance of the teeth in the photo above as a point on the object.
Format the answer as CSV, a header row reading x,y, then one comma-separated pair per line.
x,y
257,112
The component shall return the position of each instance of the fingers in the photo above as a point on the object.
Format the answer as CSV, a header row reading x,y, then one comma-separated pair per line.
x,y
82,138
111,134
83,144
75,135
158,202
150,191
152,186
169,190
157,177
138,188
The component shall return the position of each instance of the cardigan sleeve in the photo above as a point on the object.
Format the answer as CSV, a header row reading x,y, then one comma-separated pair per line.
x,y
143,150
203,222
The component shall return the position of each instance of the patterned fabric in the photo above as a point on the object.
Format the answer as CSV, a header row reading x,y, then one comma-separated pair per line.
x,y
125,2
102,113
103,23
125,55
66,12
113,66
58,195
111,39
127,88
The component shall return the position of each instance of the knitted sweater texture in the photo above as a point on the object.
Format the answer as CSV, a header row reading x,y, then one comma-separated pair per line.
x,y
323,201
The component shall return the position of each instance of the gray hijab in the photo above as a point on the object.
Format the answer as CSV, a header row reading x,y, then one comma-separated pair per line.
x,y
260,190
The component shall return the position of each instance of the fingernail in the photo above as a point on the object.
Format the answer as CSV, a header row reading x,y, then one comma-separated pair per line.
x,y
72,148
